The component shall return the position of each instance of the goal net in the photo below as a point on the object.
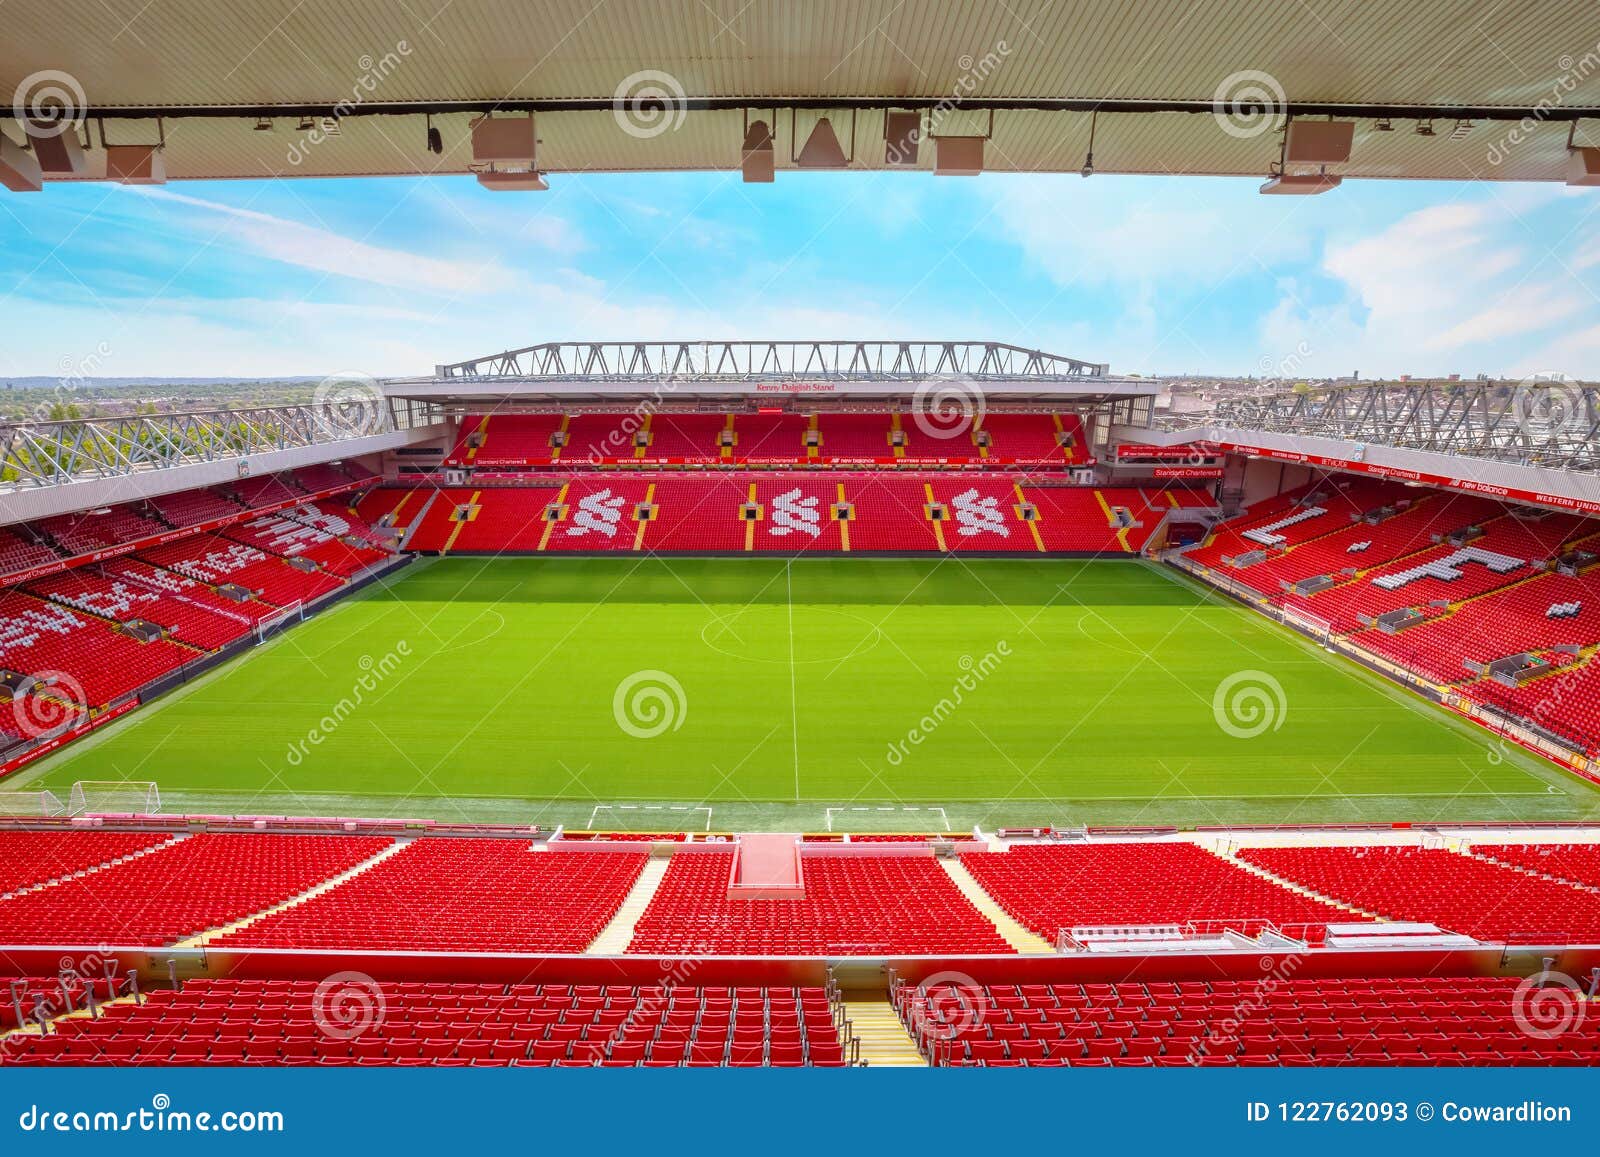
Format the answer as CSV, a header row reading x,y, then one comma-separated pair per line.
x,y
1318,628
292,612
100,796
30,803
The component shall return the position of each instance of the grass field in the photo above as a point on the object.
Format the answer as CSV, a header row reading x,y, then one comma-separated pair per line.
x,y
788,694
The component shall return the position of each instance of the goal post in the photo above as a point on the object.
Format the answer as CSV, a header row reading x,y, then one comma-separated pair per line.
x,y
1317,627
27,804
99,796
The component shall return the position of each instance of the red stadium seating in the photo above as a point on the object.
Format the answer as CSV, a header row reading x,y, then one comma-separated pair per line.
x,y
201,882
44,639
19,550
311,533
1462,893
111,596
1447,1021
863,906
462,895
29,858
231,1022
1575,863
192,507
214,560
92,530
1051,887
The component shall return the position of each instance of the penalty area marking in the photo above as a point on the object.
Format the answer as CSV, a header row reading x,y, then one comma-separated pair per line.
x,y
646,807
943,819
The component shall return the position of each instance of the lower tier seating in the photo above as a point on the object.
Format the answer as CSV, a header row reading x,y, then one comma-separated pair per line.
x,y
861,906
215,560
1051,887
84,660
1462,893
201,882
1449,1021
461,895
273,1022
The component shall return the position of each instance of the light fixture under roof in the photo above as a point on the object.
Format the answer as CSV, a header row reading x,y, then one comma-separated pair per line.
x,y
263,124
513,181
756,156
1301,184
19,172
1424,128
822,149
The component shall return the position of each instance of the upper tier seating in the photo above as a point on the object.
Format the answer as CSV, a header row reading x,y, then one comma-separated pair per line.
x,y
1430,1020
214,560
230,1022
308,532
45,639
20,551
200,883
462,895
859,906
1051,887
28,858
268,490
192,507
770,437
91,530
1461,893
690,436
509,439
323,476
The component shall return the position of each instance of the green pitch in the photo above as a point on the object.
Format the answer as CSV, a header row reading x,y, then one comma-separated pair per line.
x,y
865,694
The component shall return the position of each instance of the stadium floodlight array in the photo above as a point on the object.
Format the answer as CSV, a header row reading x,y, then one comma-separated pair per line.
x,y
110,796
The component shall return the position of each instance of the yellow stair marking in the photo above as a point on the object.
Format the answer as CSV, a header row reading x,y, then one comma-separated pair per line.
x,y
812,451
844,525
727,451
884,1040
1066,451
1172,498
327,885
938,527
555,451
894,428
483,428
561,500
638,536
750,526
1105,508
1038,539
471,514
615,937
641,451
1020,938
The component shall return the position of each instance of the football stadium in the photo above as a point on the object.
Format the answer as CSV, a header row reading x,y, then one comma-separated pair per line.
x,y
888,702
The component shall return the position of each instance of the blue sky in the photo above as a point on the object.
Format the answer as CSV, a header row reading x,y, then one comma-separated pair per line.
x,y
1154,275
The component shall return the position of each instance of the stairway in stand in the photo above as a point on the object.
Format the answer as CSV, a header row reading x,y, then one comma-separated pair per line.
x,y
1024,941
615,937
884,1040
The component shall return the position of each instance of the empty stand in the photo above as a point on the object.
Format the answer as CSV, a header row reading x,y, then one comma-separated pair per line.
x,y
1465,894
462,895
1050,887
859,905
29,858
230,1022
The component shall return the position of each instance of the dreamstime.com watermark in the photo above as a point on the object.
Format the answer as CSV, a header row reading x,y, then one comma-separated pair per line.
x,y
158,1117
973,674
946,1006
1248,103
373,72
373,674
649,703
1547,407
1574,71
1249,703
619,440
1222,1036
649,103
347,1005
349,404
947,406
1548,1005
974,71
48,715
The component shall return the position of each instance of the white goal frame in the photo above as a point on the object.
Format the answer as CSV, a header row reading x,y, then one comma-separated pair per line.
x,y
99,796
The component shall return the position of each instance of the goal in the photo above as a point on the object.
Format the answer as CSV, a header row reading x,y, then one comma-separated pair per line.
x,y
1318,628
30,803
102,796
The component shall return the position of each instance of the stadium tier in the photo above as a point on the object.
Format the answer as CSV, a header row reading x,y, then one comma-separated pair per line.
x,y
1052,889
500,440
774,512
221,1022
1450,1021
32,858
1497,604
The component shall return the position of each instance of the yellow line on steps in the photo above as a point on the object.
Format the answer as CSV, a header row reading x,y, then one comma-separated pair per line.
x,y
884,1040
1024,941
300,898
1038,539
977,428
749,526
561,500
812,451
1285,882
641,451
727,451
644,524
1105,508
483,428
898,450
844,524
1066,451
938,527
615,937
555,451
456,533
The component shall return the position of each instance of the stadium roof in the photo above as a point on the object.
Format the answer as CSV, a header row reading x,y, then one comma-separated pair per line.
x,y
1166,86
